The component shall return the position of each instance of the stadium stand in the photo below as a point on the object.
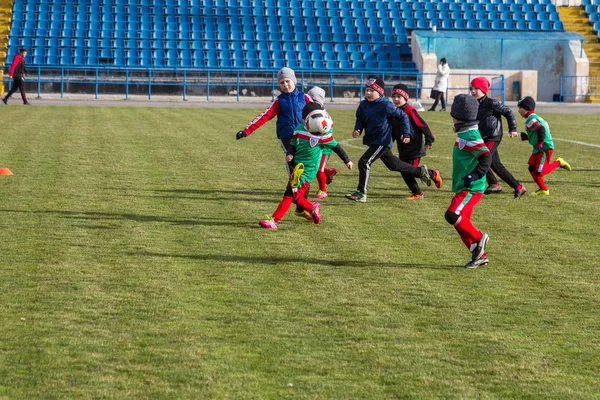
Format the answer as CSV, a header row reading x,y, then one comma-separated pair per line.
x,y
253,34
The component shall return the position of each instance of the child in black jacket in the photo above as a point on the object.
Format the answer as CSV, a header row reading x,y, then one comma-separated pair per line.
x,y
410,146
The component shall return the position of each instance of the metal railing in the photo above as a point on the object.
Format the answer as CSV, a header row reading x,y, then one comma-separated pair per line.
x,y
206,83
579,86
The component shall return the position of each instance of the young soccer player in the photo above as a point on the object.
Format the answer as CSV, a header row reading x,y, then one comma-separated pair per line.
x,y
538,135
287,108
410,146
305,150
373,115
490,127
471,160
324,175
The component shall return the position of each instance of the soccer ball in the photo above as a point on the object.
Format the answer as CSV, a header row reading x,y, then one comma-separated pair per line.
x,y
318,122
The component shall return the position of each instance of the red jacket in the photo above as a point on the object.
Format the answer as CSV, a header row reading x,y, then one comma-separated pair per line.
x,y
17,69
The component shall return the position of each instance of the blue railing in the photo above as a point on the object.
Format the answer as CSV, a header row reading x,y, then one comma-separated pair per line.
x,y
175,82
579,86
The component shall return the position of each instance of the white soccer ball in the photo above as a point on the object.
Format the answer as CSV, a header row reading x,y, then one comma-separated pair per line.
x,y
318,122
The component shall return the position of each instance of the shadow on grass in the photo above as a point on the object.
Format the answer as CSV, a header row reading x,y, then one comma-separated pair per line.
x,y
278,260
98,216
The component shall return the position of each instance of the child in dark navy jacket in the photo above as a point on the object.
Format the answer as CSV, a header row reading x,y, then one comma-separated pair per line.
x,y
287,108
410,146
374,116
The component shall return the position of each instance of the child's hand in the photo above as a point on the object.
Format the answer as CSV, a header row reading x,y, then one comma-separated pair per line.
x,y
406,139
349,165
539,146
524,136
356,133
513,134
289,157
467,180
240,135
428,147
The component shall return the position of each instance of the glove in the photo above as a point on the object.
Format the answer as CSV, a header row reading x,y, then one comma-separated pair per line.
x,y
539,146
240,135
468,180
524,136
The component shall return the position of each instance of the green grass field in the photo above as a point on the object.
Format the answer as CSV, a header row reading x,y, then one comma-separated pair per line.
x,y
132,266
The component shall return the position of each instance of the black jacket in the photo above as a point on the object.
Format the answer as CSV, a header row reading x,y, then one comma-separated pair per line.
x,y
490,121
418,128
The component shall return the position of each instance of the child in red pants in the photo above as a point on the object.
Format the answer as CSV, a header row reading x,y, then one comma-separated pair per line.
x,y
471,160
324,175
538,135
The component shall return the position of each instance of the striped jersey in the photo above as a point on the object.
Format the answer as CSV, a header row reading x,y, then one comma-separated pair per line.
x,y
309,149
468,147
532,124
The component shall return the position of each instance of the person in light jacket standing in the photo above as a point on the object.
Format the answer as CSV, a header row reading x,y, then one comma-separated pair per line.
x,y
441,84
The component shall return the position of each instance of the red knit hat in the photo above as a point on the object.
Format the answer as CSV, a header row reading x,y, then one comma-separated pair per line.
x,y
481,83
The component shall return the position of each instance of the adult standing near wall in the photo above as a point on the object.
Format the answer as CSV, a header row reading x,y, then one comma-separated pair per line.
x,y
490,116
17,73
441,84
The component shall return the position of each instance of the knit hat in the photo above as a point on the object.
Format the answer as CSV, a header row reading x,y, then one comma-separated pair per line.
x,y
287,73
527,103
401,89
465,108
317,94
310,107
481,83
376,83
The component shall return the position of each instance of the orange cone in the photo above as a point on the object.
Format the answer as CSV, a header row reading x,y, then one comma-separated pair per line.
x,y
5,171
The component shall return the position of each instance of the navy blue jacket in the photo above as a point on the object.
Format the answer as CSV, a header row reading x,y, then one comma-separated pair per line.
x,y
287,107
375,118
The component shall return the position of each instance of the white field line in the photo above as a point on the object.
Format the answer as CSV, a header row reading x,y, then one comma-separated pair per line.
x,y
578,142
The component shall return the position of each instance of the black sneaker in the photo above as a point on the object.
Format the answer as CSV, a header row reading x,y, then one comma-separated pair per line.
x,y
27,103
476,263
520,193
425,177
479,250
5,101
493,189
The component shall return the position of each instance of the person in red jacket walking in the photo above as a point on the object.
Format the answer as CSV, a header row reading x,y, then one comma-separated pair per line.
x,y
17,73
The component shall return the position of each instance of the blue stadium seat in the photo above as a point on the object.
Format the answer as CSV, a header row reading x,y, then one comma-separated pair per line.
x,y
558,26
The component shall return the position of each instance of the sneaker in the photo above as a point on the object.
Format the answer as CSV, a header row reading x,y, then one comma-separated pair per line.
x,y
479,250
316,215
5,101
564,164
491,189
476,263
332,173
296,174
357,196
425,177
542,192
303,214
436,178
415,197
27,103
321,195
520,192
443,109
268,223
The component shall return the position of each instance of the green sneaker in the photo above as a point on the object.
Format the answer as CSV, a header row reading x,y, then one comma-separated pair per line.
x,y
357,196
296,175
564,164
542,192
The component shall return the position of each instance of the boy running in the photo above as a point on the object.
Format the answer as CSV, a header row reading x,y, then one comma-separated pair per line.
x,y
538,135
471,160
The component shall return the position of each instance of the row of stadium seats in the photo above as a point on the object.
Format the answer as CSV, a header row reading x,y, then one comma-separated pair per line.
x,y
312,4
220,59
83,11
